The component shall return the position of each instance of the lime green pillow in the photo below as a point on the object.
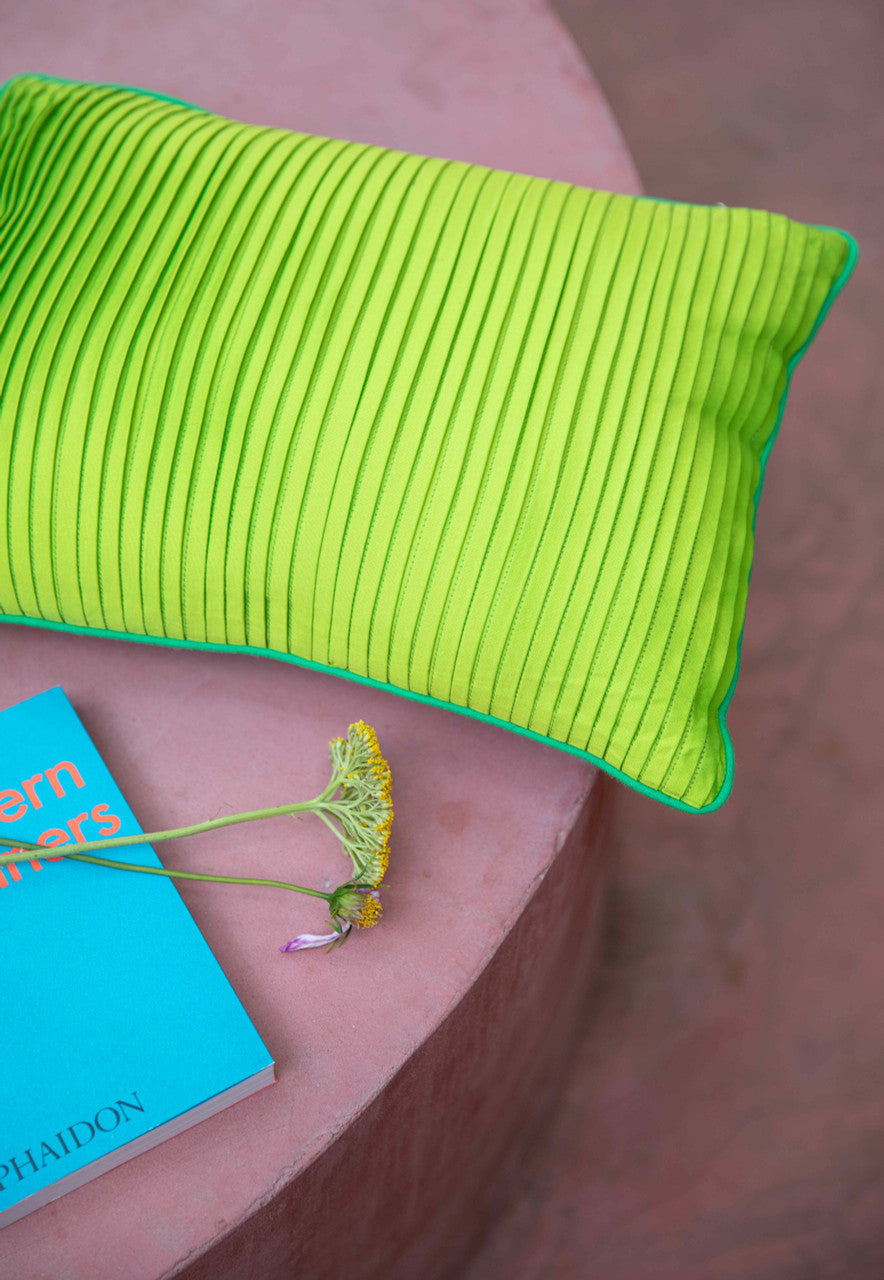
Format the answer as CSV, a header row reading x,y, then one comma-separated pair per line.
x,y
487,440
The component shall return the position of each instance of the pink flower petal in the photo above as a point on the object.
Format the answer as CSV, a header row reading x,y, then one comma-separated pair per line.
x,y
306,940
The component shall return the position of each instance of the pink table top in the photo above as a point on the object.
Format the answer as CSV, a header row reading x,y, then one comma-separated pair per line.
x,y
187,735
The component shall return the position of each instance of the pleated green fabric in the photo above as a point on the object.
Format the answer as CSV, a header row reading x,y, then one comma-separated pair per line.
x,y
489,440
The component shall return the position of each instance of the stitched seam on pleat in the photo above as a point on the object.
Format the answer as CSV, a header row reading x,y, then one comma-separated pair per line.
x,y
442,437
467,526
206,290
485,630
543,434
498,439
748,450
257,561
65,265
18,130
576,422
370,431
224,515
681,451
128,426
350,156
393,447
746,456
370,364
610,539
445,440
599,419
416,380
607,200
353,154
48,179
344,364
350,270
21,141
234,251
748,453
176,270
721,431
98,315
58,279
151,421
567,444
661,591
24,243
661,597
493,221
474,430
647,551
701,424
627,400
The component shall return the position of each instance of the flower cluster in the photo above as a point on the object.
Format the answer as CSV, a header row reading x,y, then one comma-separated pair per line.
x,y
349,905
356,806
363,807
360,812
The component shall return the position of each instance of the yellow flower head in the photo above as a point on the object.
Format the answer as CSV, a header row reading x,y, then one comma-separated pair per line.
x,y
350,905
354,904
364,808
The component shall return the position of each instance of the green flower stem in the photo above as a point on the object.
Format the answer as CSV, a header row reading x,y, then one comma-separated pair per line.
x,y
195,875
30,849
316,805
331,826
359,864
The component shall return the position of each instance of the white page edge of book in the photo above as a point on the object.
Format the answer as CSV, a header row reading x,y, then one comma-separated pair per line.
x,y
170,1129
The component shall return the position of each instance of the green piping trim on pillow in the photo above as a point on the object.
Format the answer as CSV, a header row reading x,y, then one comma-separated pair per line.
x,y
400,690
105,84
852,255
172,643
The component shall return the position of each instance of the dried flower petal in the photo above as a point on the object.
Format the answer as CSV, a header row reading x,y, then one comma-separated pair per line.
x,y
304,941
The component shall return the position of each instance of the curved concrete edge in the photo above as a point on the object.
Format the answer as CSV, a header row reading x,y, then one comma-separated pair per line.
x,y
412,1184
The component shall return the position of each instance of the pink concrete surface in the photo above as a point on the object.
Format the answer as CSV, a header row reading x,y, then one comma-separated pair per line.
x,y
495,82
421,1173
481,816
418,1056
724,1116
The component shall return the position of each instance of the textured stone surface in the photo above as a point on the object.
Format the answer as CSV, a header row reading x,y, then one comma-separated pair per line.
x,y
494,82
480,818
725,1116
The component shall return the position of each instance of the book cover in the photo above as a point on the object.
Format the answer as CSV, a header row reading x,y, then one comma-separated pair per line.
x,y
118,1026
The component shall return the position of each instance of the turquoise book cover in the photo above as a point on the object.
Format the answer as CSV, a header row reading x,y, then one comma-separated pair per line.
x,y
118,1026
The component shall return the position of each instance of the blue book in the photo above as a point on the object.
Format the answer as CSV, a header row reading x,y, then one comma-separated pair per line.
x,y
118,1027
